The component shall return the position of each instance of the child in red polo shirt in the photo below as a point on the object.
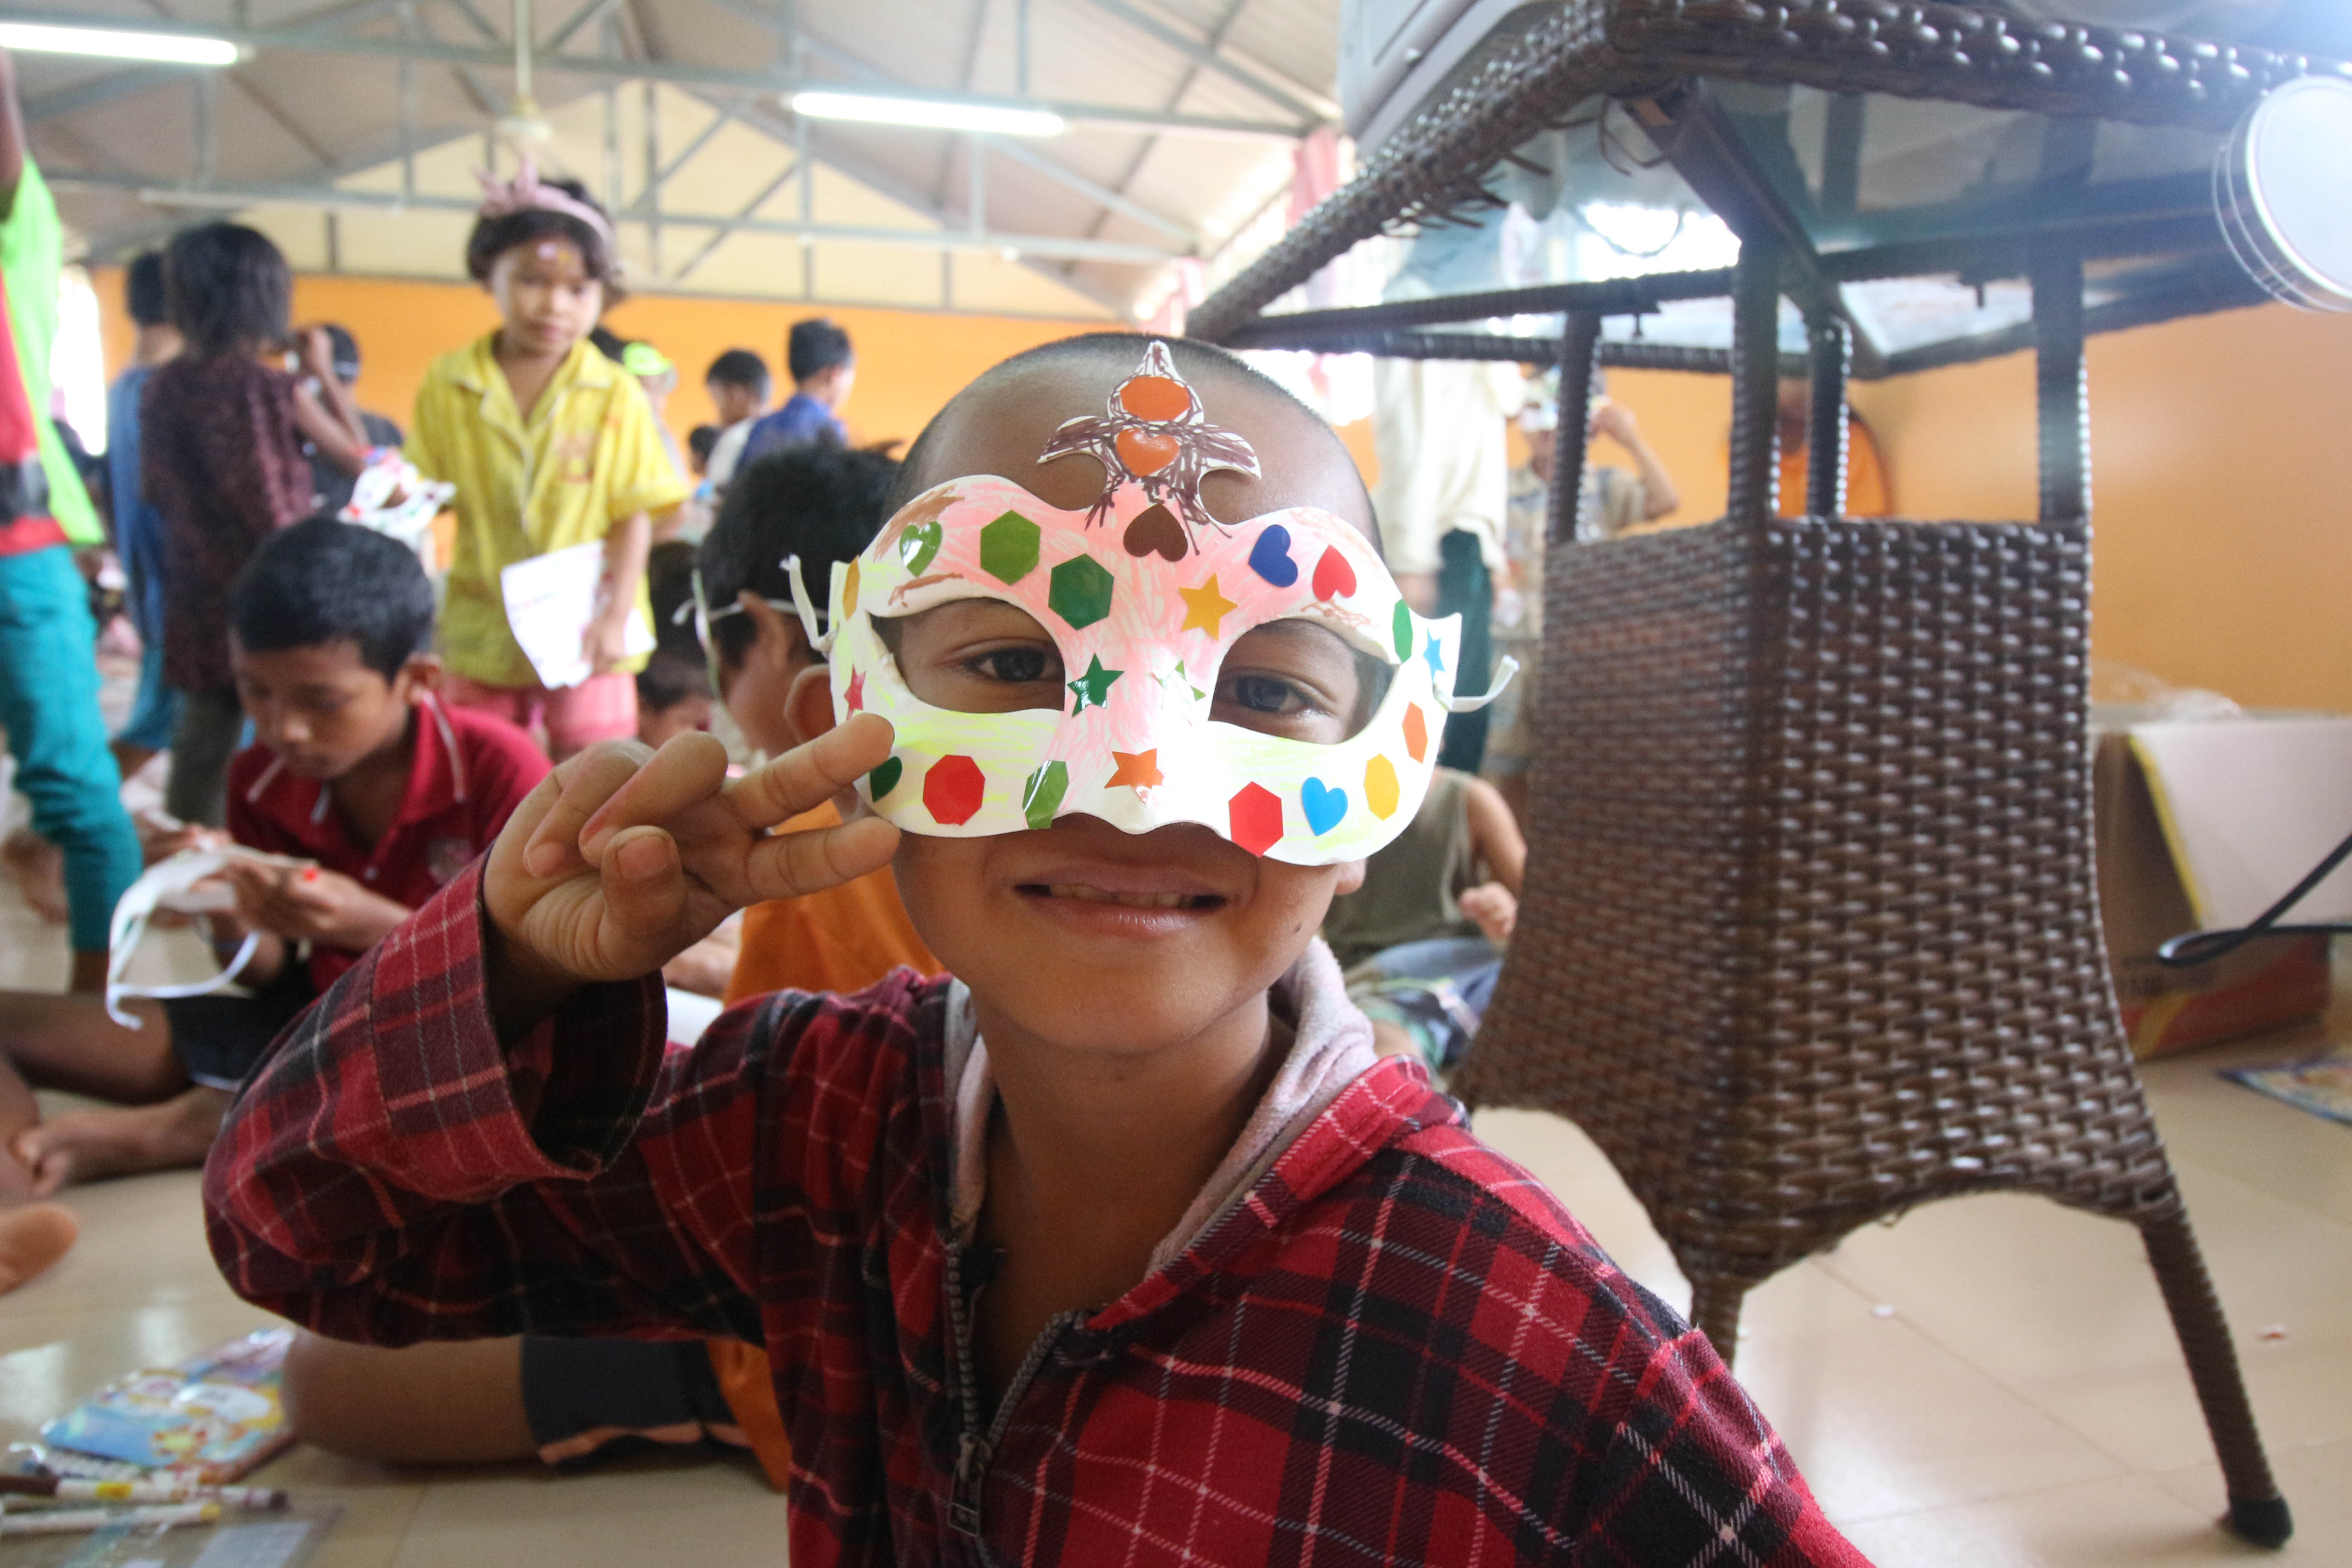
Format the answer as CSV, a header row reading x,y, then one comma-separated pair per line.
x,y
382,793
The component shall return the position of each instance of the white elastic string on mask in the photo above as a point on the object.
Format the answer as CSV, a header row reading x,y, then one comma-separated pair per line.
x,y
822,641
166,881
1460,704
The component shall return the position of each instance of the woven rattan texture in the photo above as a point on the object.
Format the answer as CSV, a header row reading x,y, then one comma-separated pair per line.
x,y
1811,931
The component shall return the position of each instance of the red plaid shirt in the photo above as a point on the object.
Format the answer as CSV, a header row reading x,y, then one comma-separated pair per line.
x,y
1397,1348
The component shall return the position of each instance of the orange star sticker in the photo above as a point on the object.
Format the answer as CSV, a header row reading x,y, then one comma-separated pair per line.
x,y
1204,606
1141,769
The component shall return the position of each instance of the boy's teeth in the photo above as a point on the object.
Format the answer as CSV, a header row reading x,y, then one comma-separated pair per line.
x,y
1132,901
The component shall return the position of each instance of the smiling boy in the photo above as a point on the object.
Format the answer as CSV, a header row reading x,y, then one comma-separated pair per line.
x,y
1120,1246
360,775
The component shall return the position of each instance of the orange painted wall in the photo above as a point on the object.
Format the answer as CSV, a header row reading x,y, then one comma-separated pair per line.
x,y
909,363
2220,483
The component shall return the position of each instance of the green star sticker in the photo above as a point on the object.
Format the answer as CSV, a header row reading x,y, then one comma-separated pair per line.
x,y
1041,795
1008,547
1081,590
1094,686
1185,680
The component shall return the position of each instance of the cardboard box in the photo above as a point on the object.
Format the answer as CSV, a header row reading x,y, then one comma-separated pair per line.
x,y
2201,824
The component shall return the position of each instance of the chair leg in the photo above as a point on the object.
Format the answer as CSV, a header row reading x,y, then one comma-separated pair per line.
x,y
2257,1512
1715,1311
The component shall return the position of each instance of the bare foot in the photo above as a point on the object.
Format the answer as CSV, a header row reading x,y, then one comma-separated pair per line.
x,y
39,867
32,1238
91,1146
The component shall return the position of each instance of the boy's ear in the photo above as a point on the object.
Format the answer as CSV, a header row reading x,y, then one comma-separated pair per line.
x,y
420,675
808,707
779,636
1351,878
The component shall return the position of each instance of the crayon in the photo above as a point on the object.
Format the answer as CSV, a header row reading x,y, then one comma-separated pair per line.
x,y
69,1521
68,1489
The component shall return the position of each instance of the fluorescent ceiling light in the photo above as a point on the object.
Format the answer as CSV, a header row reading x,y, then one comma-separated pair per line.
x,y
927,112
118,44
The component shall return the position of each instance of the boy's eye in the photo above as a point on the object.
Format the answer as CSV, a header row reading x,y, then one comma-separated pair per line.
x,y
1299,681
976,656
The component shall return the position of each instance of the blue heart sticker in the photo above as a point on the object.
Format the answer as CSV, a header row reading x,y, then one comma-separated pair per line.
x,y
1325,805
1270,557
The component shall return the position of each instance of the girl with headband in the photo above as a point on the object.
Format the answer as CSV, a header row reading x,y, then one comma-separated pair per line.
x,y
1119,1244
551,446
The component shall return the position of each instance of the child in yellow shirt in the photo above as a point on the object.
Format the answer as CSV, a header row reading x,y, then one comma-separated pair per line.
x,y
550,445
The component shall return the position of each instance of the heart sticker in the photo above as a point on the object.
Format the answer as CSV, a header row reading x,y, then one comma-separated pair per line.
x,y
1334,578
1155,530
1146,454
1324,806
1270,557
919,543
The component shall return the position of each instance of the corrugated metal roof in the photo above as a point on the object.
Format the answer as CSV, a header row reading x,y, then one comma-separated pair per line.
x,y
1093,213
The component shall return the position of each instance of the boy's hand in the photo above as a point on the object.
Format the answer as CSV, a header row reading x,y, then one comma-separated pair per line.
x,y
311,905
606,641
622,858
1493,909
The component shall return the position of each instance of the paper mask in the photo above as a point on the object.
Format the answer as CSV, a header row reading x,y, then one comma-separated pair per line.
x,y
1144,594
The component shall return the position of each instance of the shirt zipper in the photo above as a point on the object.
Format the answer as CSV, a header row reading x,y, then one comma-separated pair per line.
x,y
975,1450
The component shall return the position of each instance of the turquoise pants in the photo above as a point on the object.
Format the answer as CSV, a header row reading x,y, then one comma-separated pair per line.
x,y
49,703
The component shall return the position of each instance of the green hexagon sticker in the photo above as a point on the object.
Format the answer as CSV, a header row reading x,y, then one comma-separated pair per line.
x,y
1008,548
1081,590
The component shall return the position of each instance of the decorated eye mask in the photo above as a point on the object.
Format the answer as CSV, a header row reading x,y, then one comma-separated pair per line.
x,y
1144,594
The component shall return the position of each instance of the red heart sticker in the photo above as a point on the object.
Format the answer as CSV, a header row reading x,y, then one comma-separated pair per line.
x,y
1334,578
1146,454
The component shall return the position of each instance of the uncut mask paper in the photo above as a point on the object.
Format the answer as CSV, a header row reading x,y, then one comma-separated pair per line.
x,y
1144,595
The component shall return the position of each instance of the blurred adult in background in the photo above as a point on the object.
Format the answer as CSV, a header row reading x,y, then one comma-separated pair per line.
x,y
48,667
740,386
1609,501
824,368
138,530
328,483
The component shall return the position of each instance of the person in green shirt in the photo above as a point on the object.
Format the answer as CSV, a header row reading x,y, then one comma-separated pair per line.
x,y
49,665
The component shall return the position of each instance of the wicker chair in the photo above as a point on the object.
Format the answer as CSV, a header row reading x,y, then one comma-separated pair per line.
x,y
1810,935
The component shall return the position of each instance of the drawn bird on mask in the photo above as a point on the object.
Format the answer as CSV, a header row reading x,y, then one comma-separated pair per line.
x,y
1155,436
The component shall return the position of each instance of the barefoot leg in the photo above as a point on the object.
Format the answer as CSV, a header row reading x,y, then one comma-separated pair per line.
x,y
68,1042
457,1403
32,1238
91,1146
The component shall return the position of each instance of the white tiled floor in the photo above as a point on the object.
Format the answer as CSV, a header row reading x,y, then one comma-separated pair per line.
x,y
2023,1404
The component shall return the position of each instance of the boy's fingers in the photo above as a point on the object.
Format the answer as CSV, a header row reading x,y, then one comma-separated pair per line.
x,y
688,770
807,776
587,782
792,864
644,883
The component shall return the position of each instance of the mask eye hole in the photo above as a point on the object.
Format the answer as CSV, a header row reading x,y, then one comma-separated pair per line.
x,y
1299,681
976,656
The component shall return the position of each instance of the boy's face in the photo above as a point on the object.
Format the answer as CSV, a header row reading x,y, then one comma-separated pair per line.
x,y
1082,934
546,295
734,403
831,387
656,725
322,709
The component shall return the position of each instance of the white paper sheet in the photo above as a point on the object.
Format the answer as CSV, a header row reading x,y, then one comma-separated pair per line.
x,y
550,600
2249,806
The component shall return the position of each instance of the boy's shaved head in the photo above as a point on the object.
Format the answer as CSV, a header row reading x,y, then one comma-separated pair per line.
x,y
1001,422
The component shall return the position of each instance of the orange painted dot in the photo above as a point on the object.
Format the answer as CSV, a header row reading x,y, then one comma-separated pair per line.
x,y
1416,731
1154,397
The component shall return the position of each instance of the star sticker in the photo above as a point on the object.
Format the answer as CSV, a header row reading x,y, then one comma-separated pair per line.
x,y
1436,654
1141,769
1181,679
1204,606
1094,686
857,692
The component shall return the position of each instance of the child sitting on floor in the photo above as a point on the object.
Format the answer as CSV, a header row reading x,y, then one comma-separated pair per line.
x,y
1122,1245
1421,942
567,1399
360,772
